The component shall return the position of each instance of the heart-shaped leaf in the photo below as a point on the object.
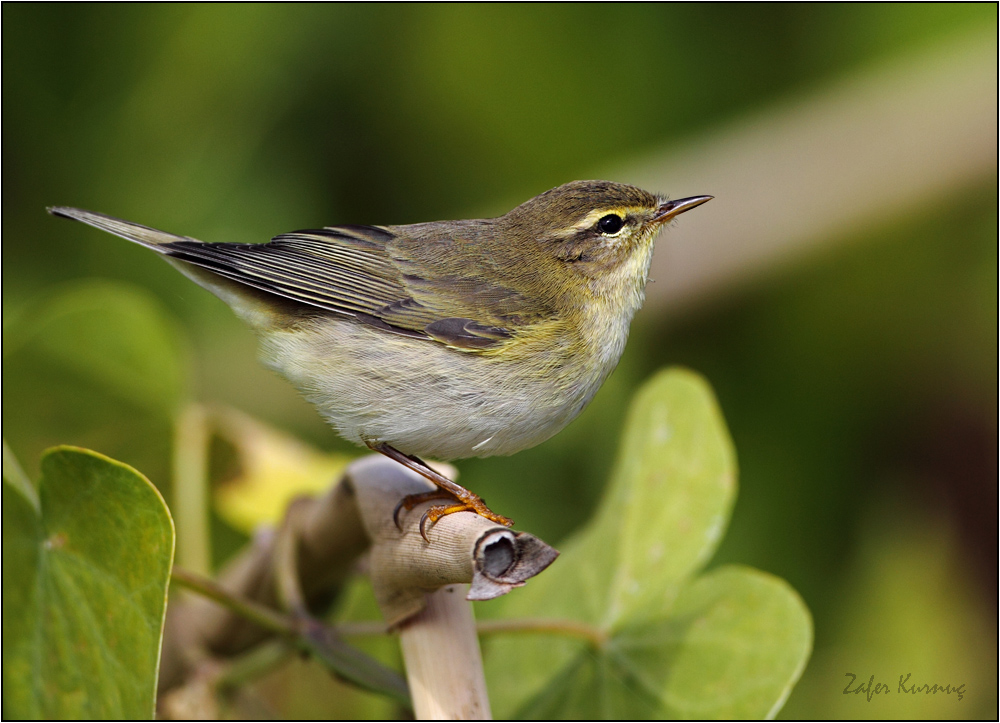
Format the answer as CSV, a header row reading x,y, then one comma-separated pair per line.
x,y
618,627
85,577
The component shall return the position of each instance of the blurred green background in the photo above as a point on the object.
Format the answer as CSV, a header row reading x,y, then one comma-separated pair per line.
x,y
859,383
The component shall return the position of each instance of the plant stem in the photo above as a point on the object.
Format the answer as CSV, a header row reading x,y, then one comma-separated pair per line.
x,y
263,616
252,665
190,478
555,626
282,624
306,634
572,628
361,628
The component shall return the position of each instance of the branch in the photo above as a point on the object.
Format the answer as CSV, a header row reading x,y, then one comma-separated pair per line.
x,y
463,548
302,566
416,585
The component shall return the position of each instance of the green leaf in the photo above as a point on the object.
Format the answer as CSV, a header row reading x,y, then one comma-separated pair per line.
x,y
85,582
671,493
112,335
660,644
97,364
732,646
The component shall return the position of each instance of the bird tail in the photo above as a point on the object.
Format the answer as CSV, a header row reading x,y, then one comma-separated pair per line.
x,y
148,237
253,306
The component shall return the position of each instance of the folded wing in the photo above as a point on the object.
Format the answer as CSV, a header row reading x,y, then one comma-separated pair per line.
x,y
351,270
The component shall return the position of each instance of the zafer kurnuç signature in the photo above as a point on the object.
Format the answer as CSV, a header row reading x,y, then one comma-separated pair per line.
x,y
871,688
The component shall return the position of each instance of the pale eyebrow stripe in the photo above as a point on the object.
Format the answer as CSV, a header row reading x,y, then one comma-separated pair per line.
x,y
591,218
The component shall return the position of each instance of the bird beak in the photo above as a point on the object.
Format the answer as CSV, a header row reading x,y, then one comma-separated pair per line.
x,y
672,209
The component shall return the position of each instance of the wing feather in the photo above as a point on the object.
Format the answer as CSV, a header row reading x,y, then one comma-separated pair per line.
x,y
362,272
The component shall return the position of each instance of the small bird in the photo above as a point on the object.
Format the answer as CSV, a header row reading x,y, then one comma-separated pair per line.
x,y
448,339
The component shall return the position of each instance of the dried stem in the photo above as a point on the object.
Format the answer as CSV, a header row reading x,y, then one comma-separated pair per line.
x,y
463,547
444,666
301,567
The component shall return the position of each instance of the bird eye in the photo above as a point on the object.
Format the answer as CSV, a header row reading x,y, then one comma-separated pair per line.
x,y
610,224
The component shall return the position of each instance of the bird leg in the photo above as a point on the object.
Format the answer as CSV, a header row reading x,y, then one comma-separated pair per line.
x,y
462,499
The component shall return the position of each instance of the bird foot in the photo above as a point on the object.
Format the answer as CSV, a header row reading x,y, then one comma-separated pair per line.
x,y
462,499
468,502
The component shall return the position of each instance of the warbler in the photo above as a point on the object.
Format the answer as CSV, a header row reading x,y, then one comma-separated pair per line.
x,y
449,339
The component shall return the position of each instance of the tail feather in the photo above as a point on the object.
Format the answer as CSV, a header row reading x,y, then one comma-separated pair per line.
x,y
249,303
148,237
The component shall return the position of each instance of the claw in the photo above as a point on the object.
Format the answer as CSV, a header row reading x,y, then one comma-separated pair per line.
x,y
446,489
395,514
411,501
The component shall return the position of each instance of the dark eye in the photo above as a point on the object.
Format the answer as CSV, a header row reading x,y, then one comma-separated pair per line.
x,y
610,224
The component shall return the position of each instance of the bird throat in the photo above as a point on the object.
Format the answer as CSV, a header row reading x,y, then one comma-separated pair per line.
x,y
617,296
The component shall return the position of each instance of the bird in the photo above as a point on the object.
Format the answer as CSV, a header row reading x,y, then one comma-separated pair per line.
x,y
447,339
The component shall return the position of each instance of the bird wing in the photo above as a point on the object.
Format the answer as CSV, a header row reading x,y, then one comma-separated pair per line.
x,y
368,273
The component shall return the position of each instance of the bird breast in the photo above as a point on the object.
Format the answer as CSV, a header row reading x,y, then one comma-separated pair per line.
x,y
427,399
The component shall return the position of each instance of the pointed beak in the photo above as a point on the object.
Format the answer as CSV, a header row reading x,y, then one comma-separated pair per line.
x,y
672,209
